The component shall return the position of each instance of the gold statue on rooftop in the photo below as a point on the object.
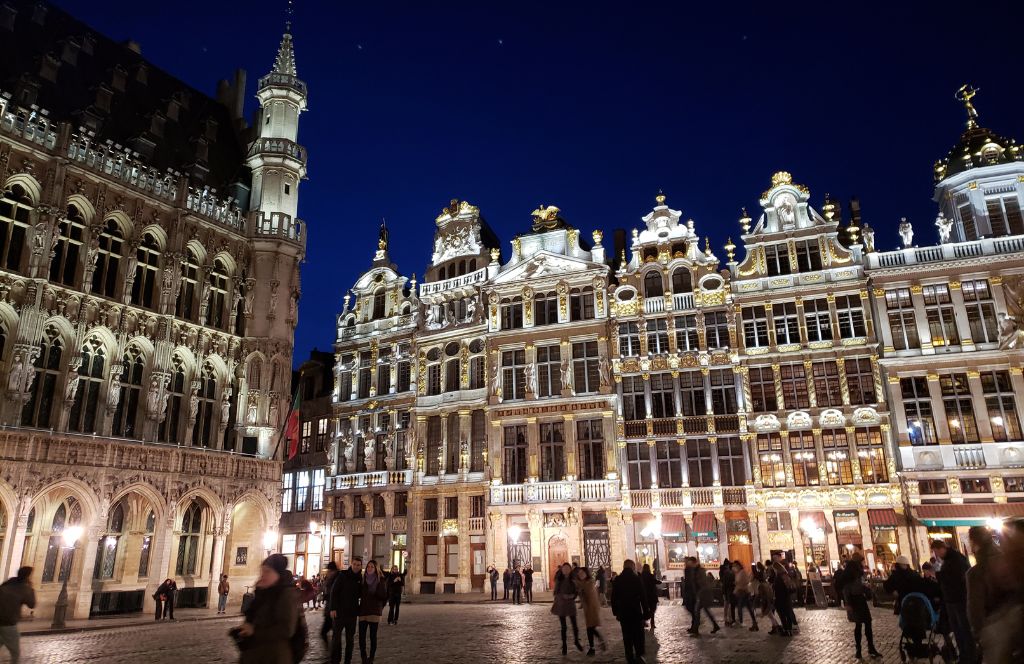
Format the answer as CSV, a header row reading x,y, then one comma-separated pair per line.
x,y
965,94
545,217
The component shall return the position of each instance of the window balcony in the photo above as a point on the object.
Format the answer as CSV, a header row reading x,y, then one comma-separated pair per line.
x,y
554,492
379,478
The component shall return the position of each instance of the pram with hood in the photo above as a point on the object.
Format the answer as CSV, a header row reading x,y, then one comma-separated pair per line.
x,y
918,622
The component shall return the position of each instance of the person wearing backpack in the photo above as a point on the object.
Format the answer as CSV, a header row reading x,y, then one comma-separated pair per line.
x,y
272,619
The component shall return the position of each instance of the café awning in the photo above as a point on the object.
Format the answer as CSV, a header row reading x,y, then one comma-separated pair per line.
x,y
705,525
967,515
882,518
673,525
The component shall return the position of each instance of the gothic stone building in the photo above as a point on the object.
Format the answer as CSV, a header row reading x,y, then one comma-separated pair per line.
x,y
149,253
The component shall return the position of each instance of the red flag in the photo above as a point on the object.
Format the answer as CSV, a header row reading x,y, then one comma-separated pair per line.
x,y
291,426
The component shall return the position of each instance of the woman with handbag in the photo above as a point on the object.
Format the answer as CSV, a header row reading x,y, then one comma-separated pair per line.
x,y
373,597
564,605
855,594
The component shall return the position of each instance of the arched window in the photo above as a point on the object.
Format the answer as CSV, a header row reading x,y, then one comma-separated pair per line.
x,y
104,277
107,547
187,295
255,376
440,274
188,543
171,430
147,272
240,306
70,231
205,421
462,267
472,265
378,304
90,379
654,285
125,416
147,545
682,281
216,313
68,513
15,206
39,408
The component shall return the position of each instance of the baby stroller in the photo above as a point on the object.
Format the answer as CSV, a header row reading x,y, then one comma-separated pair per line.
x,y
918,620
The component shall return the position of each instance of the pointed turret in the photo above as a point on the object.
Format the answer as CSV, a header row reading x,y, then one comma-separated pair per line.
x,y
284,63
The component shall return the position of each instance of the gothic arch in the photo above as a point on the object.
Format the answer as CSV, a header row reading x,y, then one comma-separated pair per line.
x,y
84,206
228,261
143,344
198,250
188,359
31,186
68,486
123,221
142,488
106,337
158,233
63,325
208,496
256,379
268,514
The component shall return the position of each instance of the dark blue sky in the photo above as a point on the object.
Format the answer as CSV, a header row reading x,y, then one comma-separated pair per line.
x,y
594,106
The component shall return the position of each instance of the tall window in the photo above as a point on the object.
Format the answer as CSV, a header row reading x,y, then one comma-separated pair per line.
x,y
512,313
755,327
787,324
451,376
322,433
477,372
147,545
654,284
1004,215
669,456
581,304
773,466
777,260
15,213
433,445
404,376
188,542
762,389
108,259
39,409
106,549
698,460
147,272
793,378
873,469
1001,406
629,339
634,406
451,464
552,452
826,384
682,281
384,372
186,305
716,328
477,441
638,465
860,381
732,470
663,395
808,256
956,399
686,333
850,312
302,491
657,336
586,367
90,380
366,375
545,308
804,457
125,416
691,393
68,514
513,467
549,361
379,304
836,447
513,374
171,430
590,449
220,286
288,492
941,317
902,322
205,422
818,320
318,489
66,252
917,406
723,392
981,311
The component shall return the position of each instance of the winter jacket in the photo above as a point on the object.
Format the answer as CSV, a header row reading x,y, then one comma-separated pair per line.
x,y
274,616
628,603
564,604
395,583
223,588
901,582
689,587
515,580
855,595
728,579
742,581
587,590
704,586
345,593
372,600
952,576
13,594
328,586
650,590
527,578
987,587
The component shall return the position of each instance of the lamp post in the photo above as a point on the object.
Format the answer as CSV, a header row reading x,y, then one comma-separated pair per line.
x,y
513,538
70,537
269,540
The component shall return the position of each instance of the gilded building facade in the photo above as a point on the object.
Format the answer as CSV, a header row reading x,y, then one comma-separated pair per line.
x,y
148,288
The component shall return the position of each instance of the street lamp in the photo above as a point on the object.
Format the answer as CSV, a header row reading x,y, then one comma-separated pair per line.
x,y
70,536
269,540
513,538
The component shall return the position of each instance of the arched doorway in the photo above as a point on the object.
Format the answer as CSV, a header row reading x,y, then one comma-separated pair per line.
x,y
244,548
558,553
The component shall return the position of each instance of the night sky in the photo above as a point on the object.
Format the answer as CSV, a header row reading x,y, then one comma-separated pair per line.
x,y
593,107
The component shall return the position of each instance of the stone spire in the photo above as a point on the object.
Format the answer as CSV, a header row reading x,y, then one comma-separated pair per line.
x,y
284,63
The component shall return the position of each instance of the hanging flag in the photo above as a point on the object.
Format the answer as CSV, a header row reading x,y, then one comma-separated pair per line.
x,y
291,425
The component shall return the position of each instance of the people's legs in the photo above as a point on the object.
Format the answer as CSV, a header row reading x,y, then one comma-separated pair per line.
x,y
373,639
590,636
962,631
856,636
350,637
494,591
639,645
561,621
627,641
159,610
326,626
363,626
398,607
870,637
575,629
9,637
707,612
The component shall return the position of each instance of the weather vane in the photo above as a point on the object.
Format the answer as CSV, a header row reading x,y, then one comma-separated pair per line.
x,y
289,10
965,94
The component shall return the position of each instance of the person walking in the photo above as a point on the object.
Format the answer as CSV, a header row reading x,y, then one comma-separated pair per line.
x,y
741,589
705,597
782,587
345,596
492,573
650,592
528,584
506,582
608,586
766,598
564,605
855,594
629,608
328,585
590,602
396,585
15,593
690,592
993,605
728,579
272,618
223,588
373,594
952,577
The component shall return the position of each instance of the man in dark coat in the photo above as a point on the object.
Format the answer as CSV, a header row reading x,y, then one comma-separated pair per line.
x,y
728,579
345,593
629,606
690,592
901,582
492,574
332,574
601,579
506,582
15,593
952,576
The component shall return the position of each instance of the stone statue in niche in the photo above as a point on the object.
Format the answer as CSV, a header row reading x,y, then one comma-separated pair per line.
x,y
565,370
906,232
471,309
16,376
530,377
1010,334
605,371
945,227
785,207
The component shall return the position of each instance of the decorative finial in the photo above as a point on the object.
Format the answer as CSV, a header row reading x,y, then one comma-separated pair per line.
x,y
348,297
781,177
964,94
707,246
382,235
494,255
598,235
744,220
730,249
622,260
660,198
853,230
829,208
413,281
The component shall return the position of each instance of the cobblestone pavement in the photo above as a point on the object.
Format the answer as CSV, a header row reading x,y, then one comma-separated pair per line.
x,y
478,633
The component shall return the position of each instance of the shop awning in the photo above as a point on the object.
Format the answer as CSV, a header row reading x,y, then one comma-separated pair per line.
x,y
673,525
967,515
705,525
882,518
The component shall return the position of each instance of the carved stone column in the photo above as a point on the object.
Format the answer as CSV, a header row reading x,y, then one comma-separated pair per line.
x,y
131,264
113,397
219,537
